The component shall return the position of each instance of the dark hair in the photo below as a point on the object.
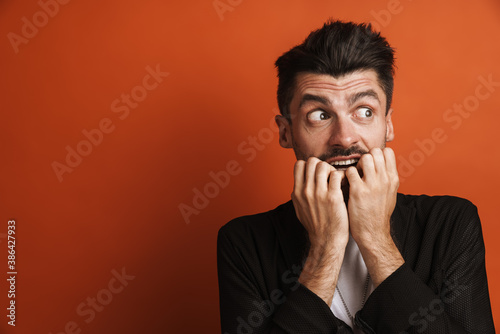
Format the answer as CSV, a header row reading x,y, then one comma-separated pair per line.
x,y
338,48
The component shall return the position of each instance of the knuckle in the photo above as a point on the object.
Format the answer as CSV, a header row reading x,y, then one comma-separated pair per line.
x,y
311,160
395,181
321,197
365,157
299,164
307,193
323,166
365,192
331,197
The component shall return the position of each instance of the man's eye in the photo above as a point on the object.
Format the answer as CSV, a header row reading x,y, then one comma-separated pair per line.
x,y
318,115
364,112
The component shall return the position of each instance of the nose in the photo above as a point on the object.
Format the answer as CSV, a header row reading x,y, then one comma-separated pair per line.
x,y
343,133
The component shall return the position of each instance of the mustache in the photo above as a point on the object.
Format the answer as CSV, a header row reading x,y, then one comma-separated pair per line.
x,y
342,152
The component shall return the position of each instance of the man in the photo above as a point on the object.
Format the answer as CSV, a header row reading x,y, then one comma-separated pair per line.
x,y
348,253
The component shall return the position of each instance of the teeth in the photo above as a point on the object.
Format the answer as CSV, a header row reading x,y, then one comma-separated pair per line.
x,y
344,162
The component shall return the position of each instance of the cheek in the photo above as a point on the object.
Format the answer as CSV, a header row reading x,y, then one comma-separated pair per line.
x,y
375,138
311,142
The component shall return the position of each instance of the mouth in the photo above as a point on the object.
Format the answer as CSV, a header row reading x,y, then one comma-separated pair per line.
x,y
344,164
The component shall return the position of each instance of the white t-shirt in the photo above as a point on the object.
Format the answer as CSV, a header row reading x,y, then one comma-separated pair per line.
x,y
351,282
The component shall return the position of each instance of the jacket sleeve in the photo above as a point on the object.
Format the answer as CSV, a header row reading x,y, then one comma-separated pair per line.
x,y
403,303
244,309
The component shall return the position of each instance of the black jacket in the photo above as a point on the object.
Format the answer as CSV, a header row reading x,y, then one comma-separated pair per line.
x,y
441,288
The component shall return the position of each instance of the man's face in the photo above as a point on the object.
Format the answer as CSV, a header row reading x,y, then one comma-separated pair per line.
x,y
336,119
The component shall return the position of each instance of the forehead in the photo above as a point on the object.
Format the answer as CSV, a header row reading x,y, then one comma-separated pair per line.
x,y
324,84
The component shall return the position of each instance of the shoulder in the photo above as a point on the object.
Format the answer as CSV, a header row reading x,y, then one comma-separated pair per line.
x,y
437,205
260,225
440,214
437,230
274,233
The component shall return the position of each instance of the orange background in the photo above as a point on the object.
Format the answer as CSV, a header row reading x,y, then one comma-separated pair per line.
x,y
119,208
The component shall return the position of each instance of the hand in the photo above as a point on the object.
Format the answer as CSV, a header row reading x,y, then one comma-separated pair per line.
x,y
319,205
372,199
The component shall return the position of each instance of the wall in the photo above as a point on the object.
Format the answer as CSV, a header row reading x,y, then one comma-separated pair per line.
x,y
115,114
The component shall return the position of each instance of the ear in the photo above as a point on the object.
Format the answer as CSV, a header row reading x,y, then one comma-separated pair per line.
x,y
389,133
285,131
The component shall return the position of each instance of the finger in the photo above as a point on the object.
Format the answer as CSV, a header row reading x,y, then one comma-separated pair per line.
x,y
390,161
298,175
322,172
378,160
353,178
310,173
352,174
367,166
335,181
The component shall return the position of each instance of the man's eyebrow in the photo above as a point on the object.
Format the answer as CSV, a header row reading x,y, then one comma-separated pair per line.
x,y
309,97
367,93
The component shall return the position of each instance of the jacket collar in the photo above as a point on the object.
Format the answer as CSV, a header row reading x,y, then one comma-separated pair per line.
x,y
294,242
